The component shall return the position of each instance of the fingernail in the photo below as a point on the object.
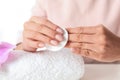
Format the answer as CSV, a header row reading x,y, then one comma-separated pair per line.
x,y
59,30
53,42
59,37
41,45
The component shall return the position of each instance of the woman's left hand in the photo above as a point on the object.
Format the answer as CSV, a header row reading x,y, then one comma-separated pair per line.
x,y
95,42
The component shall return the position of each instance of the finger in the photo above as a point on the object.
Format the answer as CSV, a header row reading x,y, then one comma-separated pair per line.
x,y
29,49
86,53
39,37
34,44
26,47
81,46
84,30
81,38
74,45
44,30
47,23
82,52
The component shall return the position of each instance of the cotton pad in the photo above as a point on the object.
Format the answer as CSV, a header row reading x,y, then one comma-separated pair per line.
x,y
46,65
58,47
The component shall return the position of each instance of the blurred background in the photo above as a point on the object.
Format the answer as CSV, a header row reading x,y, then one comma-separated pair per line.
x,y
13,14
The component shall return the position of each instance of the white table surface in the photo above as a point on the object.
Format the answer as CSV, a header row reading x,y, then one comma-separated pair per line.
x,y
102,72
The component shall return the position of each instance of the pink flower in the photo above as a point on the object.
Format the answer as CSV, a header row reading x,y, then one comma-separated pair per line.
x,y
5,49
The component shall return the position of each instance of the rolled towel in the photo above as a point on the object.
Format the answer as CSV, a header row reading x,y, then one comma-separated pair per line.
x,y
46,65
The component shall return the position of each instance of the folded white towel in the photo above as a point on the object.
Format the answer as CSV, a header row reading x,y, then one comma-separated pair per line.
x,y
61,65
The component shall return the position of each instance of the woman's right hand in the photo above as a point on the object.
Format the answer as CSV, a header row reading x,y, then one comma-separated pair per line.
x,y
40,31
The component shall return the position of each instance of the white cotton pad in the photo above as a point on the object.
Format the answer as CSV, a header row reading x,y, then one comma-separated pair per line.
x,y
58,47
47,65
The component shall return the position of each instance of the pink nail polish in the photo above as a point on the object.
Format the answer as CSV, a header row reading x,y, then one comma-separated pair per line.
x,y
54,42
41,45
59,37
59,30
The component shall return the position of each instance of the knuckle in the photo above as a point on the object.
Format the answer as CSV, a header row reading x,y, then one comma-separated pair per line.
x,y
79,37
81,45
86,52
80,30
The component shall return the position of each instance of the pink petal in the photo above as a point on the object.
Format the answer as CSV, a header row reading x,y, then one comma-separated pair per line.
x,y
5,48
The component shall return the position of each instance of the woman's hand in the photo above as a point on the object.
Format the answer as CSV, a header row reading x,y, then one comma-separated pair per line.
x,y
40,31
95,42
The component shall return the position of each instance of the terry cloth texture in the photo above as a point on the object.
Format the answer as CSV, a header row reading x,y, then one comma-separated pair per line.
x,y
61,65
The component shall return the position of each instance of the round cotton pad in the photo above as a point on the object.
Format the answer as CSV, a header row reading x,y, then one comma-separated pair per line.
x,y
58,47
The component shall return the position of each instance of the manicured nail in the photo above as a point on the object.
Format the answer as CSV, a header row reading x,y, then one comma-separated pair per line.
x,y
41,45
53,42
59,37
59,30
